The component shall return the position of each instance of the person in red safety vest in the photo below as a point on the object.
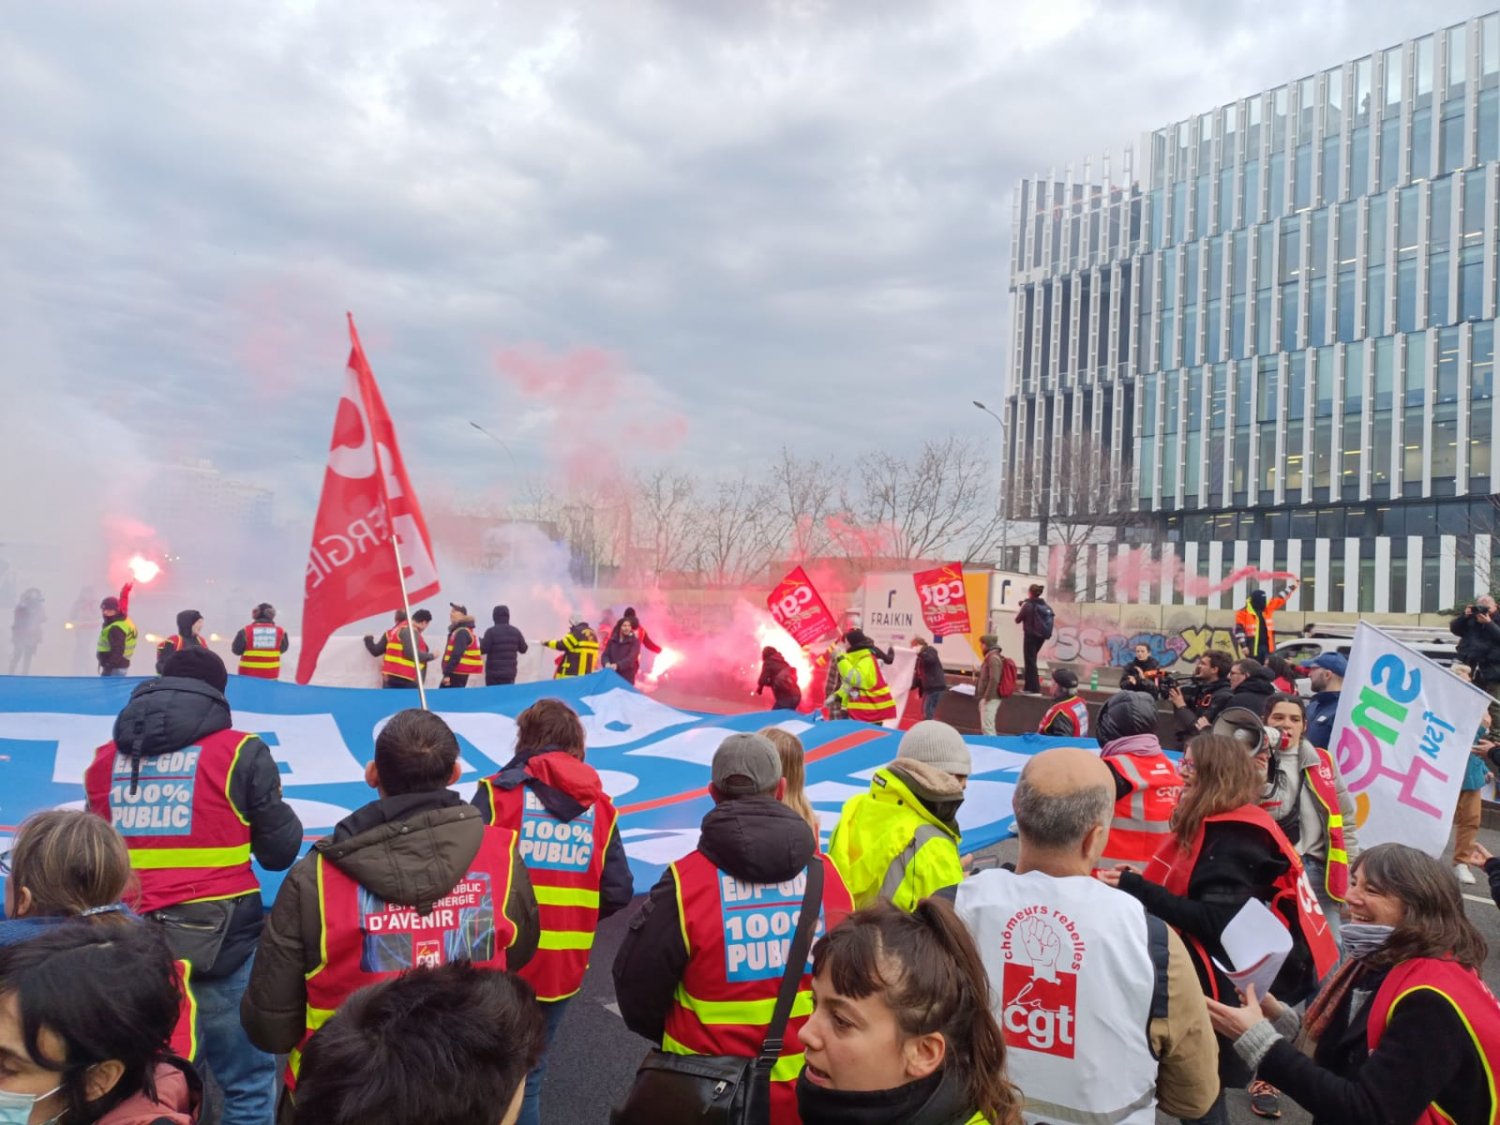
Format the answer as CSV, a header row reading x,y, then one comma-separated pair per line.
x,y
1405,1029
461,659
402,650
1223,851
572,850
412,879
195,799
1147,784
1069,716
189,635
260,644
702,963
863,692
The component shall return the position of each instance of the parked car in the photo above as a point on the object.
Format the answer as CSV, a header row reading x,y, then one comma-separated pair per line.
x,y
1303,650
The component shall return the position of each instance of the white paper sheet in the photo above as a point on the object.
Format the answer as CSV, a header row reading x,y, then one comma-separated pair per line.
x,y
1257,943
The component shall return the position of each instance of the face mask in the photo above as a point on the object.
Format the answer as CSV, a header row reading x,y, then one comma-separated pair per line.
x,y
15,1109
1361,938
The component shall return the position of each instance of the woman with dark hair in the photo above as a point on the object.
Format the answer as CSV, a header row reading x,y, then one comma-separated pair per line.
x,y
1283,673
1223,851
85,1018
1405,1031
901,1030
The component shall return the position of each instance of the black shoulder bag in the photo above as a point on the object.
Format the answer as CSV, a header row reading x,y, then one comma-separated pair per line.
x,y
719,1089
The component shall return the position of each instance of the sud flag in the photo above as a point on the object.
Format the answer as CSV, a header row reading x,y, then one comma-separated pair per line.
x,y
367,498
799,609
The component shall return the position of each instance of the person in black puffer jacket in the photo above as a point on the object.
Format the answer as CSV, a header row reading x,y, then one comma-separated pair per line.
x,y
501,644
176,734
781,678
1251,685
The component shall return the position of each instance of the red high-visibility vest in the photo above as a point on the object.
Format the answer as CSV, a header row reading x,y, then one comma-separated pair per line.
x,y
1076,711
1143,816
470,663
737,937
565,860
1472,1001
1292,895
1320,779
395,664
262,655
367,940
188,842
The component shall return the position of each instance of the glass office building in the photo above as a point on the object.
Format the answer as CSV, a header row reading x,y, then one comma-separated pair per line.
x,y
1279,323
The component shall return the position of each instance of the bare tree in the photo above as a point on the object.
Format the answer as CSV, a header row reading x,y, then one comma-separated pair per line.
x,y
666,521
738,531
939,503
803,497
1085,497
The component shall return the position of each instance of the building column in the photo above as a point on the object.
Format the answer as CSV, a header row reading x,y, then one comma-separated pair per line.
x,y
1241,561
1383,574
1216,573
1413,575
1321,571
1447,570
1351,575
1190,572
1294,564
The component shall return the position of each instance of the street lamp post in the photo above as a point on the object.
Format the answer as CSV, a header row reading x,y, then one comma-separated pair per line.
x,y
1043,516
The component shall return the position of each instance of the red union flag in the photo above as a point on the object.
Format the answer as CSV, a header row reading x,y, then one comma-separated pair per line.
x,y
799,610
367,498
945,604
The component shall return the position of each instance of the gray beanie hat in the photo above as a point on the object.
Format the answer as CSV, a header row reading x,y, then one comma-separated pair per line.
x,y
938,745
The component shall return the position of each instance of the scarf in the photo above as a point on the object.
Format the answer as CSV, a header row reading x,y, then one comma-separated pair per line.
x,y
927,1101
1142,744
1359,940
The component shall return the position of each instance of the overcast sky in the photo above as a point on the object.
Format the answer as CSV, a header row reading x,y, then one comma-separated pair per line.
x,y
691,231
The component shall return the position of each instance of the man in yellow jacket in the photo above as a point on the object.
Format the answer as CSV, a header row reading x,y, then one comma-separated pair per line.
x,y
899,841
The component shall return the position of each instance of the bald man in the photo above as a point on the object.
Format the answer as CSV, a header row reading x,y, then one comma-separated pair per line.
x,y
1101,1009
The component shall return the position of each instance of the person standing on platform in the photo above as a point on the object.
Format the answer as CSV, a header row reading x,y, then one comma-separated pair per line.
x,y
260,644
461,659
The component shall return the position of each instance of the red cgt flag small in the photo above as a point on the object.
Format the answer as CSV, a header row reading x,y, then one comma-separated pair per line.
x,y
799,609
945,601
367,497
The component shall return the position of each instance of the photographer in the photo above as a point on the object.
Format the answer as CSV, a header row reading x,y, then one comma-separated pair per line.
x,y
1479,644
1198,703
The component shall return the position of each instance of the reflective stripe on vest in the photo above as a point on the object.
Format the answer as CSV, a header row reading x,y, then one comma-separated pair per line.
x,y
184,1040
579,658
366,940
1172,867
1320,779
470,663
262,655
873,703
1077,712
877,832
1143,816
125,625
1074,987
395,664
187,841
1472,1002
737,935
565,860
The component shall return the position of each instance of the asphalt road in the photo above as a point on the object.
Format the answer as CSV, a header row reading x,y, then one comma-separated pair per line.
x,y
595,1057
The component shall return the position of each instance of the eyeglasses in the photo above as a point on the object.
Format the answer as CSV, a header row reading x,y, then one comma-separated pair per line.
x,y
1186,767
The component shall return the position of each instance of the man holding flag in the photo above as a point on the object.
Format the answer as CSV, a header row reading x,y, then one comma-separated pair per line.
x,y
367,504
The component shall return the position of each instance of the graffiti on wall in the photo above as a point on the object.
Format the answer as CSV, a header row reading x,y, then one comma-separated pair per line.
x,y
1109,643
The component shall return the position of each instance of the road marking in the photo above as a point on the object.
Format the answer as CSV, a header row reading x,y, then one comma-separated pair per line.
x,y
1480,898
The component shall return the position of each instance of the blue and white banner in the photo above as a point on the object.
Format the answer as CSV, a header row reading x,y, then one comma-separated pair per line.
x,y
654,759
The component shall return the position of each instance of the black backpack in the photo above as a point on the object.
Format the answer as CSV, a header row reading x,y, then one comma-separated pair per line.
x,y
1045,619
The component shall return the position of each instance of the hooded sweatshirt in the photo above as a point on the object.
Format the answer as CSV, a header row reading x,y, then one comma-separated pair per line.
x,y
184,638
567,788
411,849
754,839
168,714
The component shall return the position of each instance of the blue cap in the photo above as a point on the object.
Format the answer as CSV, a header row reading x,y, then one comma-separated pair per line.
x,y
1333,662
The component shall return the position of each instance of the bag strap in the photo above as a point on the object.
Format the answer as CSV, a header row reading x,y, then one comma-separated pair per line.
x,y
796,961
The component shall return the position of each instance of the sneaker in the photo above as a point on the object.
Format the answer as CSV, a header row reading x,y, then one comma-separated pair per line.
x,y
1465,876
1265,1099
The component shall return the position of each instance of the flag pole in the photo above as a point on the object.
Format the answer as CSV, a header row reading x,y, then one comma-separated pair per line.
x,y
411,626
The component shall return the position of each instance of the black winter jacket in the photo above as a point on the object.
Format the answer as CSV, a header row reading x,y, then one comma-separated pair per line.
x,y
460,634
1426,1054
501,644
183,638
169,713
930,675
1252,694
781,678
1211,699
1478,646
755,839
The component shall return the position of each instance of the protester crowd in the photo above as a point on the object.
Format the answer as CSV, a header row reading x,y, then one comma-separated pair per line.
x,y
417,965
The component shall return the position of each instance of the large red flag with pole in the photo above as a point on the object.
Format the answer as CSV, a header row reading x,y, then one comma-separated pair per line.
x,y
370,548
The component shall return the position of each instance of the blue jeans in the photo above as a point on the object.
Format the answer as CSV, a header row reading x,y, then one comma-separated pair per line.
x,y
1217,1115
930,702
531,1101
114,671
246,1074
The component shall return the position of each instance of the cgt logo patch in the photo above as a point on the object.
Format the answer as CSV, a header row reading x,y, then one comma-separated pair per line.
x,y
1039,986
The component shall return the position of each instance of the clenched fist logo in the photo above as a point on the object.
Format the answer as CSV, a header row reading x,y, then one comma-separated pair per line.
x,y
1043,947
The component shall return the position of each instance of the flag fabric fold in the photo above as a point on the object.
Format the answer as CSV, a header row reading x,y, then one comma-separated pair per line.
x,y
367,499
